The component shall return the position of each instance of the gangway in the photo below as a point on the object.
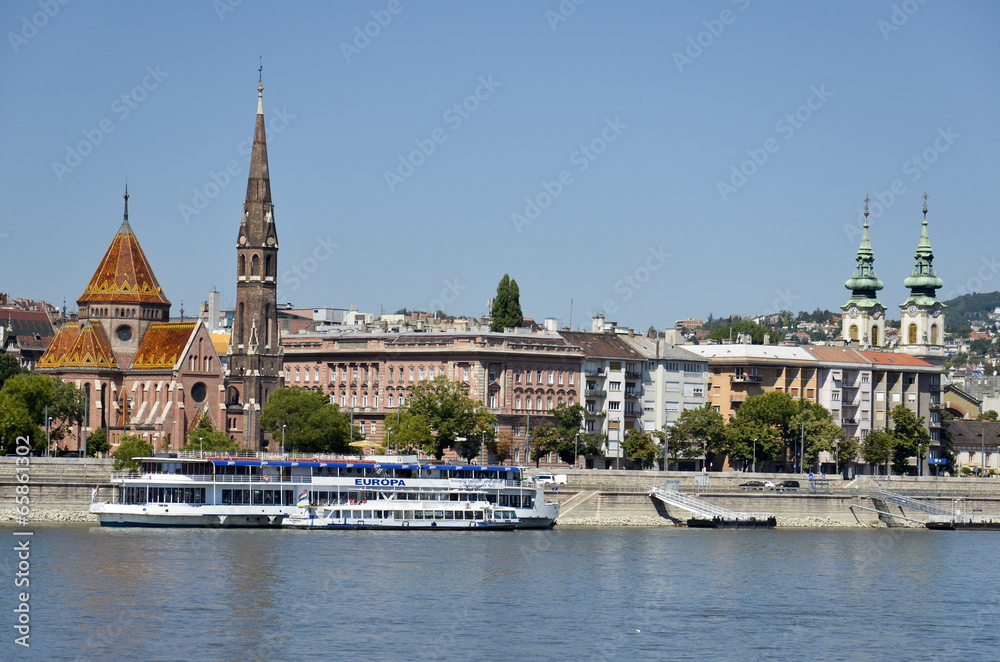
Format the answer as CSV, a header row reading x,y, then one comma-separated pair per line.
x,y
710,515
913,504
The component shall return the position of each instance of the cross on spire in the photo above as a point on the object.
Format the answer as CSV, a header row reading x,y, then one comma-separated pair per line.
x,y
925,203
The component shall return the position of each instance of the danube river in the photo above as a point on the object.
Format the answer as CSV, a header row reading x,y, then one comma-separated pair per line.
x,y
567,594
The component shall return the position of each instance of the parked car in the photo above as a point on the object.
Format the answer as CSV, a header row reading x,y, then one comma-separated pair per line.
x,y
753,485
788,486
550,479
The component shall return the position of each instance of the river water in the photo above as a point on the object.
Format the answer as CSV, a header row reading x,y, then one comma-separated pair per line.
x,y
567,594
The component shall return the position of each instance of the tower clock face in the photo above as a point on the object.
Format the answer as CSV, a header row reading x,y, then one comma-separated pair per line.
x,y
913,309
124,333
853,310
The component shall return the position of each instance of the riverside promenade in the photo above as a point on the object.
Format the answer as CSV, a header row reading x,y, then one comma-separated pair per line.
x,y
61,489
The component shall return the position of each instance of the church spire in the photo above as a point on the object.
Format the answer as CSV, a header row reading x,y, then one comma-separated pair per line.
x,y
864,283
125,228
923,282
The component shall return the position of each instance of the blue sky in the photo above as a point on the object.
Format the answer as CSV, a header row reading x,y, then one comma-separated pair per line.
x,y
650,160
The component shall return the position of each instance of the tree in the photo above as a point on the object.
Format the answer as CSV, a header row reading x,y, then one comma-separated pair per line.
x,y
410,433
912,439
97,442
498,311
746,436
547,439
506,312
704,430
9,367
821,433
846,451
514,315
449,411
22,409
743,327
204,436
501,446
988,415
131,446
312,423
679,443
640,448
877,449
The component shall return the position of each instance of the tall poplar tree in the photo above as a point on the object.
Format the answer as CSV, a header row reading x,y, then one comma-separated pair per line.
x,y
498,312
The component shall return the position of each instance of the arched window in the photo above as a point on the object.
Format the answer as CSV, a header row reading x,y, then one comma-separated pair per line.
x,y
267,324
875,338
243,265
254,265
854,332
268,266
934,334
911,335
239,325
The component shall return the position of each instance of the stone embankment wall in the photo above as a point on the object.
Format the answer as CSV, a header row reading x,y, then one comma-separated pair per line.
x,y
59,488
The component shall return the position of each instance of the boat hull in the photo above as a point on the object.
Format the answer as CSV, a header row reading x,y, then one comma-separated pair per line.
x,y
316,523
133,516
719,523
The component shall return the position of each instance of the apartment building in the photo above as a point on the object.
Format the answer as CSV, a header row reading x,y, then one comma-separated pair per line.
x,y
673,379
738,372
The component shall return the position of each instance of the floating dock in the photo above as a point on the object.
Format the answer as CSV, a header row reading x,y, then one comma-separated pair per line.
x,y
710,516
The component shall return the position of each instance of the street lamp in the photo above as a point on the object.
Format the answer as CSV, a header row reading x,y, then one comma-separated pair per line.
x,y
48,434
754,469
982,442
576,450
201,448
283,426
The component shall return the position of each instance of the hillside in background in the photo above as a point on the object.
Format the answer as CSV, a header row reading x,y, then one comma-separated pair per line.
x,y
962,310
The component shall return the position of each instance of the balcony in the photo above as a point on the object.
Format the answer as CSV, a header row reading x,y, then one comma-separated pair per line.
x,y
633,413
596,373
745,379
633,374
738,397
633,393
595,393
935,386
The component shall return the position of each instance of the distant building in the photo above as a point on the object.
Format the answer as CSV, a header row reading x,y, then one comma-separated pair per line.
x,y
25,335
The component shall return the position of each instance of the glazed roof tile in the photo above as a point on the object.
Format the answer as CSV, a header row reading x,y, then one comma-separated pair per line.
x,y
162,345
78,346
124,275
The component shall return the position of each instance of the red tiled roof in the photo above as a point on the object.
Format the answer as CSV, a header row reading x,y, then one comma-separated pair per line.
x,y
162,345
895,358
602,345
79,347
836,354
124,275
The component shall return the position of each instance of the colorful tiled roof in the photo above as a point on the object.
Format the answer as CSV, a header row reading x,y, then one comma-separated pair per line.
x,y
162,345
78,346
124,275
895,358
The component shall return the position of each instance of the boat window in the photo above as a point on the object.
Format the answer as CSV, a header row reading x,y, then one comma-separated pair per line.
x,y
438,514
469,515
418,514
397,514
408,514
479,514
448,514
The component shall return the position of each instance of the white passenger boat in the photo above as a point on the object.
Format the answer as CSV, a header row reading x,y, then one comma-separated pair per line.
x,y
269,489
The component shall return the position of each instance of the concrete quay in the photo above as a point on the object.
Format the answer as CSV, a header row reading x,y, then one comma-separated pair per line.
x,y
61,488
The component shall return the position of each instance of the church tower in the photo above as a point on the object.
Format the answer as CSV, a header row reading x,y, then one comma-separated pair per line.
x,y
864,315
921,328
255,354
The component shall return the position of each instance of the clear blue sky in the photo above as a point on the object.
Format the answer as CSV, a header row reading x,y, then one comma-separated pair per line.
x,y
640,230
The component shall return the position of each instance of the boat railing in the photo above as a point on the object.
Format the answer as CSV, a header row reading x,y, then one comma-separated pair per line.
x,y
209,478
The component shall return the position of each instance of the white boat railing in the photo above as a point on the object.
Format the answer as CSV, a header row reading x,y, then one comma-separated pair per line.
x,y
208,478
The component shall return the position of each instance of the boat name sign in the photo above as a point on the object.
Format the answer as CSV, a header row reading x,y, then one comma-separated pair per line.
x,y
387,482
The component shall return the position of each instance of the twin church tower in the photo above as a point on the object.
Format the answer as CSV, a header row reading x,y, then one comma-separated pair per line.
x,y
921,329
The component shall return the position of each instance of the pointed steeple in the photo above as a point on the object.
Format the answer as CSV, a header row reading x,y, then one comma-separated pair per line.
x,y
923,282
124,274
125,228
259,182
864,283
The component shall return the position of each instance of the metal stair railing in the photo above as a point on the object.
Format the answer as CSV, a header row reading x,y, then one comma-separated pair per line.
x,y
701,508
912,504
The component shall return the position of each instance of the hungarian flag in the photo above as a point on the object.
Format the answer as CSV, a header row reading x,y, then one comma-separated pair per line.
x,y
303,499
